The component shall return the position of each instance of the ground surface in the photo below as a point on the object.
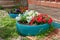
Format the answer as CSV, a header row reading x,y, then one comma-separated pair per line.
x,y
54,12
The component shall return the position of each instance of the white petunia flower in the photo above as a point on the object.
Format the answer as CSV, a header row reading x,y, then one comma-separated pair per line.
x,y
26,13
29,18
33,15
36,13
26,10
18,18
31,12
19,15
28,21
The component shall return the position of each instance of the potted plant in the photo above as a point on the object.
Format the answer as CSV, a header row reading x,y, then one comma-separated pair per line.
x,y
17,9
32,23
14,13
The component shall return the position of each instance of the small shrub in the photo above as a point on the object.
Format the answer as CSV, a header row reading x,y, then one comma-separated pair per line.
x,y
1,8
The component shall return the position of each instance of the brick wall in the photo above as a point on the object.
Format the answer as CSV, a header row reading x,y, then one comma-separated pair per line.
x,y
7,3
49,3
22,2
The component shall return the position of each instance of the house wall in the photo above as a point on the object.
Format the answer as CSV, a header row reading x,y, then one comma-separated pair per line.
x,y
49,3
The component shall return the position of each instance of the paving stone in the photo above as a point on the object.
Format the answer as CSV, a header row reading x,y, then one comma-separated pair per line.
x,y
1,39
54,12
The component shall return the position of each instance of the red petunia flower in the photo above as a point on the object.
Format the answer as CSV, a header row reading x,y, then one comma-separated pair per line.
x,y
44,20
39,19
40,15
32,21
50,21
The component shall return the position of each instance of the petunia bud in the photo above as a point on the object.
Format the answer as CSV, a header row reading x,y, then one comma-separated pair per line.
x,y
50,21
39,19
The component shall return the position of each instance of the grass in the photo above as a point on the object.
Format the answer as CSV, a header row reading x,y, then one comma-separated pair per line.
x,y
7,28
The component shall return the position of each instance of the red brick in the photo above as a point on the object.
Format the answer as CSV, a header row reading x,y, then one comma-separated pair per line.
x,y
31,1
57,0
58,6
38,3
45,3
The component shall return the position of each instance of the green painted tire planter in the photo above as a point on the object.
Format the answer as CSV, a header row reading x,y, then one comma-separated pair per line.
x,y
12,15
31,29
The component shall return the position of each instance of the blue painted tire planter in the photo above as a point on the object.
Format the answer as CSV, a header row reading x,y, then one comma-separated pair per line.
x,y
12,15
56,24
31,29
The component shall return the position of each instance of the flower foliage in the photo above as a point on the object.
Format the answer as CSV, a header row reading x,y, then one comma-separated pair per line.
x,y
23,9
18,10
15,11
32,17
